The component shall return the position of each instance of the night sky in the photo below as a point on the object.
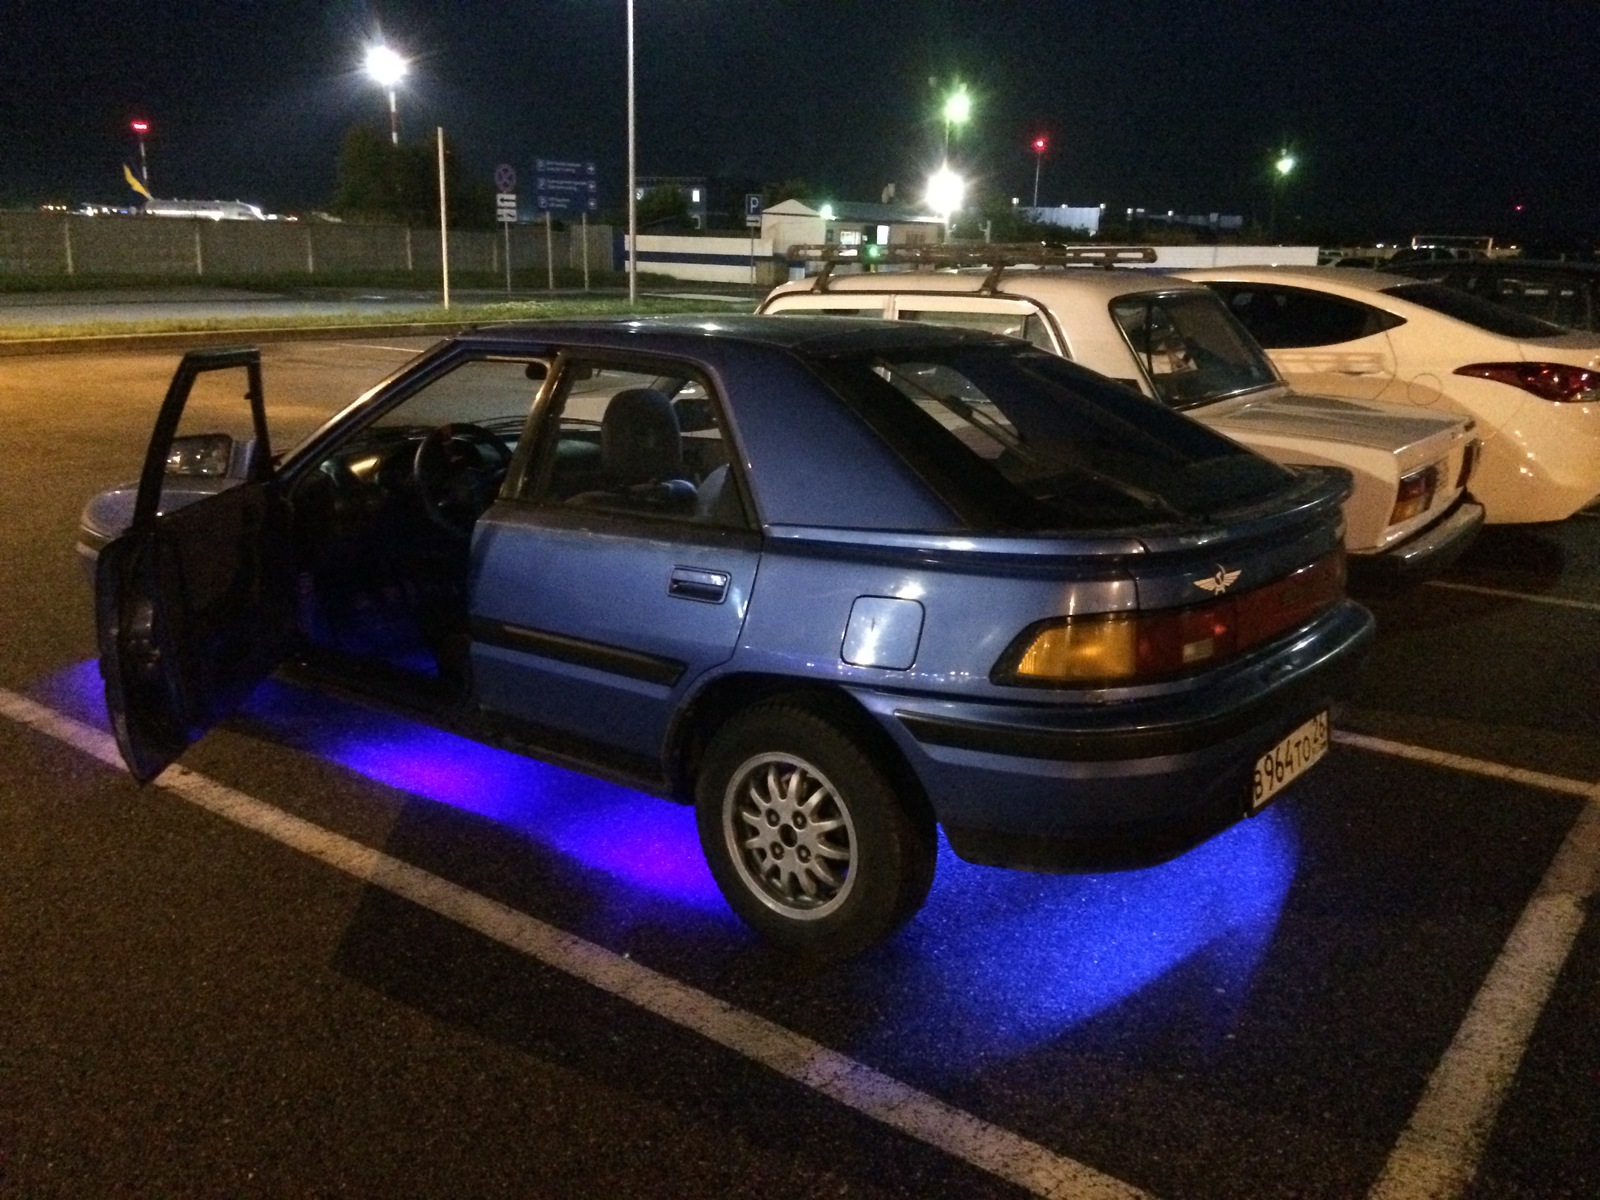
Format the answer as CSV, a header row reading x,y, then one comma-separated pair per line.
x,y
1406,116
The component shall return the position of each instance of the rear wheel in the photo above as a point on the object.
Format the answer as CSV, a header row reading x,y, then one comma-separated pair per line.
x,y
807,839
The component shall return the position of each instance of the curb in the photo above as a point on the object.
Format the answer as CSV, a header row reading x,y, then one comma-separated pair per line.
x,y
223,337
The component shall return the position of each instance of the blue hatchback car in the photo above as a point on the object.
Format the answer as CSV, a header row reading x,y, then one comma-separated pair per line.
x,y
834,582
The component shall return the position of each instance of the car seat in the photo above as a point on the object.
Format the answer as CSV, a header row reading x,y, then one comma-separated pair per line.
x,y
641,456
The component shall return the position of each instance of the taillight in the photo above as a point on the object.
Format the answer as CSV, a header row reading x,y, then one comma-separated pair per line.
x,y
1113,648
1560,382
1415,494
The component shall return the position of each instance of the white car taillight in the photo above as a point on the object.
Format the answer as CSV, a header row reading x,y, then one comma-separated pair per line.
x,y
1560,382
1416,494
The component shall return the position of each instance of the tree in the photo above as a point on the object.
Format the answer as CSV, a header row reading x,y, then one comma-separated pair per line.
x,y
663,208
388,184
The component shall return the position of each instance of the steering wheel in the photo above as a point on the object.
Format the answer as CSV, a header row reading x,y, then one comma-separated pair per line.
x,y
458,469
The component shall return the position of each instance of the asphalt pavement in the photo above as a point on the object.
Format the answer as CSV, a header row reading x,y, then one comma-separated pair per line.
x,y
345,954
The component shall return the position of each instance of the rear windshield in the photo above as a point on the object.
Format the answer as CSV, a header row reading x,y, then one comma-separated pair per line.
x,y
1018,438
1191,347
1474,310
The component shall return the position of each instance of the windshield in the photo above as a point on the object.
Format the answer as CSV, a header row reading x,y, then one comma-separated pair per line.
x,y
1192,349
1019,438
1474,310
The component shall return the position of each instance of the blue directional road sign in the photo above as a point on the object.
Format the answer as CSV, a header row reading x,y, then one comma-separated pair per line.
x,y
562,185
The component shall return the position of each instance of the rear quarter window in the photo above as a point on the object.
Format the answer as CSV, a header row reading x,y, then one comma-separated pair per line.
x,y
1018,438
1474,310
1287,318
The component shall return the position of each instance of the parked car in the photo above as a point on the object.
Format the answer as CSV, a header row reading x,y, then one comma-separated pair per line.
x,y
831,582
1408,514
1532,387
1563,293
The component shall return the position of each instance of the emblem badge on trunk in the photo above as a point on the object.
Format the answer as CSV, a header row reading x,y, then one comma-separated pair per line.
x,y
1218,583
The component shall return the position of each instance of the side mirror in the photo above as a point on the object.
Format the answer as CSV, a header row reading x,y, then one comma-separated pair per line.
x,y
210,456
695,414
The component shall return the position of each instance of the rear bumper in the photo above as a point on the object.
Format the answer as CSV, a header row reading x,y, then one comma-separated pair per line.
x,y
1097,787
1427,552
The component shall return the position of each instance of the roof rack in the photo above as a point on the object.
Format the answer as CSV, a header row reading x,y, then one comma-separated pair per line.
x,y
997,256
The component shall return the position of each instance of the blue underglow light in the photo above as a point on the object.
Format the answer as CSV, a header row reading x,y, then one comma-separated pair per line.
x,y
1001,960
76,691
648,842
996,963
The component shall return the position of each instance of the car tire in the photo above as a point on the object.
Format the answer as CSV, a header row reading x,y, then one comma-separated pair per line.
x,y
807,839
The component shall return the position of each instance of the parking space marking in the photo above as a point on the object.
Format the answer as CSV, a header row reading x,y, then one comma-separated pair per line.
x,y
1437,1154
915,1113
409,351
1561,601
1473,766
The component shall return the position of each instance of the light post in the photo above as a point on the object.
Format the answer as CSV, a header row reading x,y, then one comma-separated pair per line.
x,y
140,128
945,192
633,178
1039,144
957,111
1281,168
386,68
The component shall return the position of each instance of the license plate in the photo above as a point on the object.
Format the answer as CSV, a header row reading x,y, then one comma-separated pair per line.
x,y
1284,763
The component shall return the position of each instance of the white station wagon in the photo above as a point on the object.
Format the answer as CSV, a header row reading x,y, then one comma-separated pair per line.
x,y
1409,514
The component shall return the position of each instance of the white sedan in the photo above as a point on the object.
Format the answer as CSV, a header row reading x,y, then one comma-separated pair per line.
x,y
1533,388
1409,514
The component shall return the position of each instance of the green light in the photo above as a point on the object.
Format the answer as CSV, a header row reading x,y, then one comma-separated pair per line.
x,y
958,107
1284,164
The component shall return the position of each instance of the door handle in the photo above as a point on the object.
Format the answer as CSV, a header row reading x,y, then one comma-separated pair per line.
x,y
693,583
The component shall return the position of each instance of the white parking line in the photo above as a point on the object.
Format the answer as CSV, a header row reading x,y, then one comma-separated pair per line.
x,y
406,350
1438,1152
807,1062
1561,601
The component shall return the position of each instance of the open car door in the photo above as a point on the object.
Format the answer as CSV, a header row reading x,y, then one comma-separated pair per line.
x,y
195,606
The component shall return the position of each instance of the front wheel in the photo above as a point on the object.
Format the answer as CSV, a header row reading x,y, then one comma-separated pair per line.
x,y
806,838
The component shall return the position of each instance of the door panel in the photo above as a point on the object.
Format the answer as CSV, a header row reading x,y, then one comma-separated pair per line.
x,y
193,607
597,625
620,568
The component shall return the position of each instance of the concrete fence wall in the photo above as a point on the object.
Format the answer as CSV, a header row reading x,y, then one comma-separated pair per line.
x,y
710,258
48,244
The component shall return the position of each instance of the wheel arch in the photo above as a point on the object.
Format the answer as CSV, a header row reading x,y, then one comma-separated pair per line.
x,y
730,694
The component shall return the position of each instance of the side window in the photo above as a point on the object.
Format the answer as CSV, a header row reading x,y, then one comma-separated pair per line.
x,y
1283,318
824,305
635,439
1030,327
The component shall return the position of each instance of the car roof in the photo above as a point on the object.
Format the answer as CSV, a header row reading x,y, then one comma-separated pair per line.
x,y
1358,279
807,333
1044,284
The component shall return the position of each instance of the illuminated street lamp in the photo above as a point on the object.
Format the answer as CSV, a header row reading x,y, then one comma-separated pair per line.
x,y
1039,143
386,68
1282,166
957,112
946,190
140,128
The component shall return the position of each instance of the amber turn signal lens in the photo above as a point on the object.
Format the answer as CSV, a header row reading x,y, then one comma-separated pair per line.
x,y
1077,651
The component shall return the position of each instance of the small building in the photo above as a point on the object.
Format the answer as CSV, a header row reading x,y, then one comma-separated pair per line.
x,y
846,223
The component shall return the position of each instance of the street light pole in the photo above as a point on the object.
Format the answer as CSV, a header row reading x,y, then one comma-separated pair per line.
x,y
387,68
1038,159
1281,167
957,109
633,178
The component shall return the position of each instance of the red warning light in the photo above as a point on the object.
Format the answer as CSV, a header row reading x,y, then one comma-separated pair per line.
x,y
1038,145
141,126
